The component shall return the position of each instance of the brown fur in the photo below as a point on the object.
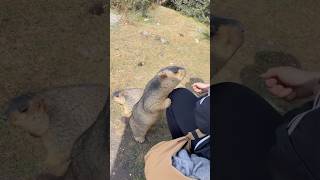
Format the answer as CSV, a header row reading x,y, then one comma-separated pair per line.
x,y
154,100
127,98
58,116
227,37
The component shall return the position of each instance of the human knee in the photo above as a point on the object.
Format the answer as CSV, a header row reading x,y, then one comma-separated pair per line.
x,y
178,92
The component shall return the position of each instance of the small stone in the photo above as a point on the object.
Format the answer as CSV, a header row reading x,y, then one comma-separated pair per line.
x,y
158,24
163,40
114,19
197,40
145,33
200,30
141,64
146,19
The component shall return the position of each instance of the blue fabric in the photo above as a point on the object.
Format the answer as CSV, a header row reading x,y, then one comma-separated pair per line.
x,y
192,166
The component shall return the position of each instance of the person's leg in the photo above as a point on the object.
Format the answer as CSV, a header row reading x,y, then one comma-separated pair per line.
x,y
182,101
243,132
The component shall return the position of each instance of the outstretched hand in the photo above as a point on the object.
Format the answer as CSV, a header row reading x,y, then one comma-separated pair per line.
x,y
200,87
290,83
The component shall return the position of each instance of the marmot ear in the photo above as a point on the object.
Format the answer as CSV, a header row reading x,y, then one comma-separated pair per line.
x,y
162,75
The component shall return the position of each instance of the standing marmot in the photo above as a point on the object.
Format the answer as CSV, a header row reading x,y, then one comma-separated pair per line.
x,y
127,98
154,99
58,116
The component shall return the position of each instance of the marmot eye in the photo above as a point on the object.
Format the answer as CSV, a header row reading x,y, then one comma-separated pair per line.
x,y
163,76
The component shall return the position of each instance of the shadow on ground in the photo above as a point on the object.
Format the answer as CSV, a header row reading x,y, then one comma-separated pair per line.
x,y
129,163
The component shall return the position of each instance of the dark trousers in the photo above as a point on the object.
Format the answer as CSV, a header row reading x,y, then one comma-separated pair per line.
x,y
243,128
182,107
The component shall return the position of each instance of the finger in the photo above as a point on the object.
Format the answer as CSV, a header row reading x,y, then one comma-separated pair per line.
x,y
273,91
285,92
291,96
273,72
280,91
196,89
194,86
271,82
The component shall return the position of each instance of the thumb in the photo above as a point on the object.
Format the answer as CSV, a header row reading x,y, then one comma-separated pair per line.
x,y
291,96
273,72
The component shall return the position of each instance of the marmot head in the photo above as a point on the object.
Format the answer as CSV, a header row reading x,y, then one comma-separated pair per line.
x,y
118,97
228,36
171,76
29,113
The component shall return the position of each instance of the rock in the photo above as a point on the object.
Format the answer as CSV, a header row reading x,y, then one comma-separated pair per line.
x,y
114,19
141,64
145,33
200,30
162,39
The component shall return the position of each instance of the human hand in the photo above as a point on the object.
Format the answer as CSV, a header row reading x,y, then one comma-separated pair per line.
x,y
290,83
200,87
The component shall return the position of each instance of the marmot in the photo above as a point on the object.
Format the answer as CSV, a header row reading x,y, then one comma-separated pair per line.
x,y
127,98
89,154
89,158
154,100
227,37
58,116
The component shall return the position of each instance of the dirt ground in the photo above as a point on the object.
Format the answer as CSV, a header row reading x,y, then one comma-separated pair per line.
x,y
45,44
139,49
286,26
276,33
